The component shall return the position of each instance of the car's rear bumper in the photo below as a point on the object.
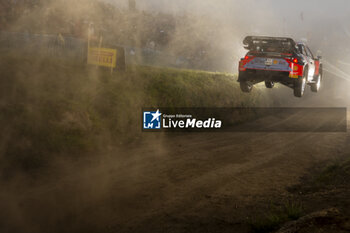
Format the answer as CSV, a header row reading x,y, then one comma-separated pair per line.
x,y
256,75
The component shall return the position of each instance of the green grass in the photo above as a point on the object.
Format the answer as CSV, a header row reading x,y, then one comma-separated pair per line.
x,y
335,174
275,216
325,176
52,108
293,210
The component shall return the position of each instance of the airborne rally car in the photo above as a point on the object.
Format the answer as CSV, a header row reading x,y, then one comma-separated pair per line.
x,y
277,59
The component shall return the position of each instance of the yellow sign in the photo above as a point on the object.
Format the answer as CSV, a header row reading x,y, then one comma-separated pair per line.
x,y
102,57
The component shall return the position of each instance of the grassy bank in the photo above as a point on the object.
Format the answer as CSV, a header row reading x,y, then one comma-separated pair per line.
x,y
51,108
325,187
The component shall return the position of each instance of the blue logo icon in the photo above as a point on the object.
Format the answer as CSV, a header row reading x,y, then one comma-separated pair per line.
x,y
151,120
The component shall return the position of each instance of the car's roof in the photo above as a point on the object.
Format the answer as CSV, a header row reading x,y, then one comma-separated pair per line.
x,y
301,43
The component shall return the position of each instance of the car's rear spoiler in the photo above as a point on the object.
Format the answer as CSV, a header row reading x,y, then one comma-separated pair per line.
x,y
251,42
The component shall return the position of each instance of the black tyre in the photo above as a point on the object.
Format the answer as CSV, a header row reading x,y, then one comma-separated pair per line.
x,y
269,84
246,86
300,85
316,87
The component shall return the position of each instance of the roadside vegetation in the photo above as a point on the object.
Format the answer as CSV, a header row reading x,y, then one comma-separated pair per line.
x,y
275,216
50,107
319,203
334,175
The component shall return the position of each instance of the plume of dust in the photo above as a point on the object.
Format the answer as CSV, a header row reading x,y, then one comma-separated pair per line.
x,y
75,194
77,191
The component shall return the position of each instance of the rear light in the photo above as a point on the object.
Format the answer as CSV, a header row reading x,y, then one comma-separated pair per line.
x,y
246,57
295,60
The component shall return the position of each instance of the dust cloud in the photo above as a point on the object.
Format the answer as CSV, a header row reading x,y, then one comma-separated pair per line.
x,y
89,193
324,25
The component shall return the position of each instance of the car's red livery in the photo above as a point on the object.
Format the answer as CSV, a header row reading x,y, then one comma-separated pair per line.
x,y
279,59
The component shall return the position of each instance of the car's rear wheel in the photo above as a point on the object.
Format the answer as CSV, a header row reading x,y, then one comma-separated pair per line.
x,y
315,87
246,86
269,84
300,85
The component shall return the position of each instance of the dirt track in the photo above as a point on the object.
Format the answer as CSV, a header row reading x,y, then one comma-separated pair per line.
x,y
197,182
200,182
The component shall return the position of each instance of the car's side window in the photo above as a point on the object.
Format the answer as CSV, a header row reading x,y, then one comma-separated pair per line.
x,y
299,49
302,49
309,53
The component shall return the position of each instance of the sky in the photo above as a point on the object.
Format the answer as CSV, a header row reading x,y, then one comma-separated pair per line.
x,y
258,16
229,8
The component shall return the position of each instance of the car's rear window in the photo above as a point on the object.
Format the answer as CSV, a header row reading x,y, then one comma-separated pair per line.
x,y
271,46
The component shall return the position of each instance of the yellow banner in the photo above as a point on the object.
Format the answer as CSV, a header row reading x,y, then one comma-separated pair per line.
x,y
102,57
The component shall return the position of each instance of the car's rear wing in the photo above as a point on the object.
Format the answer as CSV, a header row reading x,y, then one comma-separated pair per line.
x,y
263,42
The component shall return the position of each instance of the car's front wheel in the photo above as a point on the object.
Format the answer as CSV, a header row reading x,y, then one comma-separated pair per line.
x,y
246,86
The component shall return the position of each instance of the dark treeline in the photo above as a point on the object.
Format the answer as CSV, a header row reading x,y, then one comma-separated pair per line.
x,y
188,36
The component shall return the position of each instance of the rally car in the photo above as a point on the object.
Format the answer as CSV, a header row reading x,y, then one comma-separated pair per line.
x,y
282,60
